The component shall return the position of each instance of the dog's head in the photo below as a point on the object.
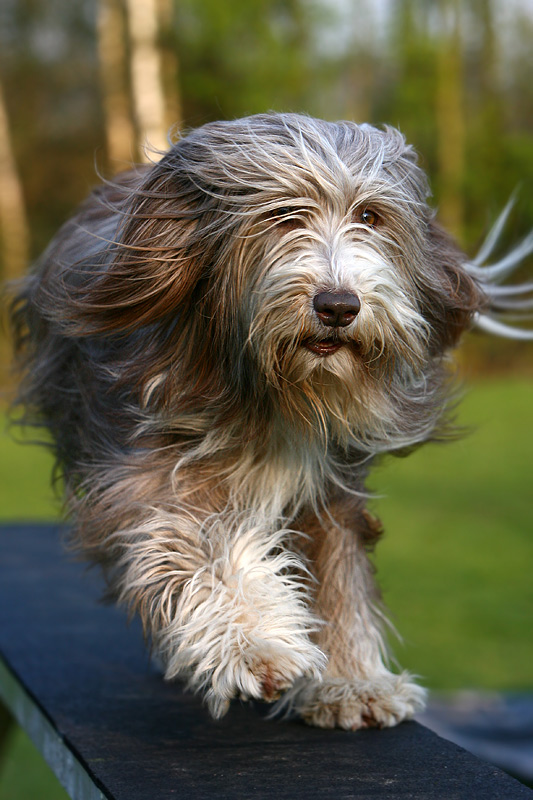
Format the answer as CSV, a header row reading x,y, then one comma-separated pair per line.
x,y
282,259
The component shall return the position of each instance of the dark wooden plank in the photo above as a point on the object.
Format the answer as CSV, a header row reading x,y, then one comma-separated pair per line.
x,y
121,732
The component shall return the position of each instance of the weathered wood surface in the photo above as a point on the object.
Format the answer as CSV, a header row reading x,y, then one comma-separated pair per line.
x,y
78,677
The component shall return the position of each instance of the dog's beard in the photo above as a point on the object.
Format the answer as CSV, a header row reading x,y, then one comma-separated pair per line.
x,y
351,383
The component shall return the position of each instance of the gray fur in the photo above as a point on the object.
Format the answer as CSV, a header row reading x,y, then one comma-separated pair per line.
x,y
213,463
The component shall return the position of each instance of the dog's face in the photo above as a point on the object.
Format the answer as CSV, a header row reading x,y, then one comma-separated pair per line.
x,y
293,258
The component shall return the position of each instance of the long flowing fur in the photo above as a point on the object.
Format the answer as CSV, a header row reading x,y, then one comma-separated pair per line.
x,y
214,434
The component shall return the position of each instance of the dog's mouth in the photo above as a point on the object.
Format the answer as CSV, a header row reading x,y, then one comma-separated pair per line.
x,y
323,347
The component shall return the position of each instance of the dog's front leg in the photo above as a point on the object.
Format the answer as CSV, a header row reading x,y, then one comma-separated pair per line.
x,y
222,604
357,689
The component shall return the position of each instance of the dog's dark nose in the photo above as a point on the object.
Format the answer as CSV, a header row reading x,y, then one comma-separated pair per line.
x,y
336,309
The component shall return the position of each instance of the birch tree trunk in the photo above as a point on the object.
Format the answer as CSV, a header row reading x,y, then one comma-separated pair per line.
x,y
15,237
120,131
146,77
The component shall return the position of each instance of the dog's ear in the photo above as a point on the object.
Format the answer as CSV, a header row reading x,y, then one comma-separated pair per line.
x,y
129,258
454,297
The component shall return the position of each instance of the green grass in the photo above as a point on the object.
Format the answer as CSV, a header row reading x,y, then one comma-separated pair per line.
x,y
25,485
455,563
24,775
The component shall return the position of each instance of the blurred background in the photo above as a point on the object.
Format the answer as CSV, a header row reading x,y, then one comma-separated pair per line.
x,y
87,87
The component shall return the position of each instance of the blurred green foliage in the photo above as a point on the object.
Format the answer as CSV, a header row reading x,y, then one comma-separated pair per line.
x,y
456,76
391,62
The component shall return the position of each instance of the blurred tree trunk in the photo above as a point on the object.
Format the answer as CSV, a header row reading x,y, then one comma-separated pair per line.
x,y
14,228
15,236
147,76
120,131
489,58
170,66
490,142
450,119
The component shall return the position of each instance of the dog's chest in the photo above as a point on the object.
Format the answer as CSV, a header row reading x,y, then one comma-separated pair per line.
x,y
281,478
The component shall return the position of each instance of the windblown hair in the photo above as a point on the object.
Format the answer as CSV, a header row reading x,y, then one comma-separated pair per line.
x,y
220,345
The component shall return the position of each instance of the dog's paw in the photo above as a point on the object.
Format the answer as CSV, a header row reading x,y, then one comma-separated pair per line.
x,y
262,669
358,703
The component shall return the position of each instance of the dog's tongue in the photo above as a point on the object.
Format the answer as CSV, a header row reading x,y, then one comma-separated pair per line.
x,y
324,348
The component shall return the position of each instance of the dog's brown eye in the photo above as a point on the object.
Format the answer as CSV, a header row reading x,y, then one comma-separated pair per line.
x,y
281,214
368,217
287,217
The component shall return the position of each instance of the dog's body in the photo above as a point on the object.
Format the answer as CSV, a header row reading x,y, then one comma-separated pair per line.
x,y
220,345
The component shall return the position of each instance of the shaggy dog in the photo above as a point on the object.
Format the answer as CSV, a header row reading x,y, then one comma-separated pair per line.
x,y
221,345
